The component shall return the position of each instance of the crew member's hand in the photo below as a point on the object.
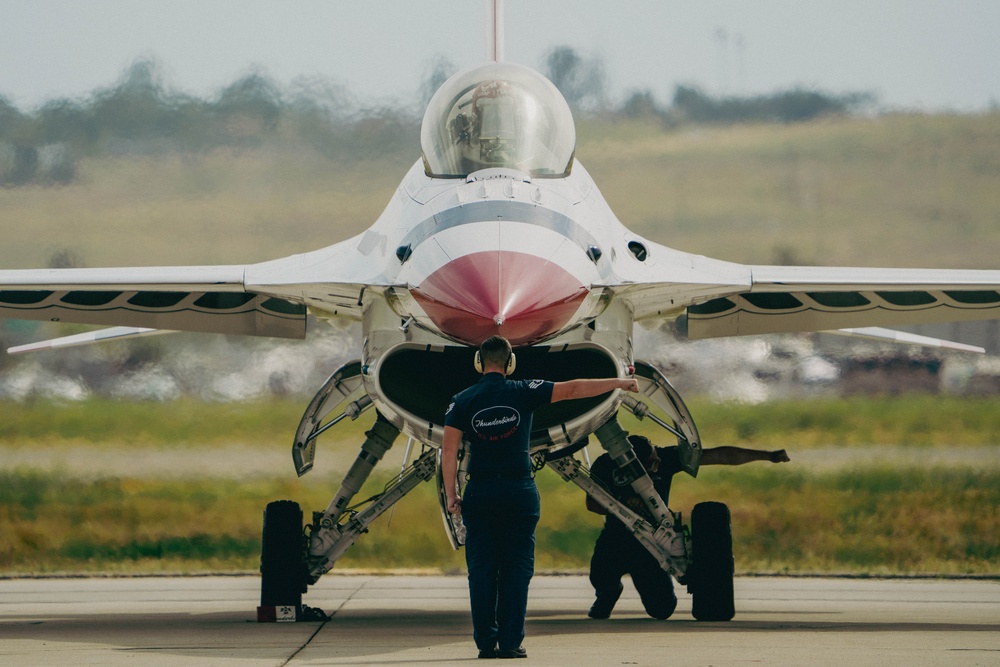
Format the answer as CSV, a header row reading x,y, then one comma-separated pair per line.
x,y
779,456
454,504
652,464
631,384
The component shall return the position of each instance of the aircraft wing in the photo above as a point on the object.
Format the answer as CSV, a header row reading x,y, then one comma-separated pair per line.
x,y
265,299
182,298
784,299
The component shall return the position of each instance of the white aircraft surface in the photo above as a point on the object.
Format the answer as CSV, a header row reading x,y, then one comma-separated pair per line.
x,y
496,229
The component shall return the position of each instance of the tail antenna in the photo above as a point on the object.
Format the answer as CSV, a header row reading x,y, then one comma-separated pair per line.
x,y
494,44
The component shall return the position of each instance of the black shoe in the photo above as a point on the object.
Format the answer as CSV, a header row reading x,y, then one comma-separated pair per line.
x,y
488,653
604,604
518,652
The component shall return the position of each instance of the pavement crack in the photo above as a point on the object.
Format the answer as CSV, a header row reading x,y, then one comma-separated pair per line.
x,y
304,644
322,624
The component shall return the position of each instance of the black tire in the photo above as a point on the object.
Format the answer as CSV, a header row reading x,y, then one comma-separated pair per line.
x,y
283,573
710,580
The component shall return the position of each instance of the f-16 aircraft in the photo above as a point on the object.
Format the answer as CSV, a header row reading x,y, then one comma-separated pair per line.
x,y
496,229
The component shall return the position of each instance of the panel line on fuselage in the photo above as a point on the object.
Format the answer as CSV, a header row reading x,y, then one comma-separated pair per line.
x,y
501,211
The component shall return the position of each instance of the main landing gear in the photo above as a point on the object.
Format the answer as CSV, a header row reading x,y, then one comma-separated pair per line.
x,y
295,556
700,557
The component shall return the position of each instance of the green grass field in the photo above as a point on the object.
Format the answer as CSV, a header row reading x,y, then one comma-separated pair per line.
x,y
915,420
863,517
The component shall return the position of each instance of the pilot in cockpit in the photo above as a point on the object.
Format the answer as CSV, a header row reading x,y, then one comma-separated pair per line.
x,y
487,131
498,115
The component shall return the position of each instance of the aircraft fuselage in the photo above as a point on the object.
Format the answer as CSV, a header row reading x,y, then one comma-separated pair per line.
x,y
494,253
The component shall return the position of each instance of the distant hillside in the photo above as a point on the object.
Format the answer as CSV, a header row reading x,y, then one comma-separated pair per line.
x,y
895,190
902,190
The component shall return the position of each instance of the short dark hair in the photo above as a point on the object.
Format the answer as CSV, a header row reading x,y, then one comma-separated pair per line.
x,y
641,445
496,351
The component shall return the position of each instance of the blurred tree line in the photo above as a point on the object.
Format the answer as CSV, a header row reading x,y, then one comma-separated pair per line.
x,y
141,115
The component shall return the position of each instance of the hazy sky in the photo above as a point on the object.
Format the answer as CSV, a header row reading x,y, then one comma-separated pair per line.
x,y
924,54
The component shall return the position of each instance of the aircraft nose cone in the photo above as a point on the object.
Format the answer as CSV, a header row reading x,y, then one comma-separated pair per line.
x,y
516,295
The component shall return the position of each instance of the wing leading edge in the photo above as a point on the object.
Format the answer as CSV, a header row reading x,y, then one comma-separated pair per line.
x,y
266,299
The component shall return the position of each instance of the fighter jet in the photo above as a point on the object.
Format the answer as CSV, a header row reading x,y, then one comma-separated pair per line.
x,y
497,228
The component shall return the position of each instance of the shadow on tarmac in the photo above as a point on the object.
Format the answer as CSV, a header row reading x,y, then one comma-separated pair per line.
x,y
368,633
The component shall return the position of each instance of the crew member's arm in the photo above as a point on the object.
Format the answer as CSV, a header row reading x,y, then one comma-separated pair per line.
x,y
600,472
734,456
586,388
449,466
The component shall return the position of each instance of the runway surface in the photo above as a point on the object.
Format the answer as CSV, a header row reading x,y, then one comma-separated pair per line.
x,y
415,620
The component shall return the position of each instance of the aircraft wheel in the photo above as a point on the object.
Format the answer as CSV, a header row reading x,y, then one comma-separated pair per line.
x,y
283,572
710,580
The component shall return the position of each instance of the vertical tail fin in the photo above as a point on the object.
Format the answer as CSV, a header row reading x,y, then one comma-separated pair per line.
x,y
494,46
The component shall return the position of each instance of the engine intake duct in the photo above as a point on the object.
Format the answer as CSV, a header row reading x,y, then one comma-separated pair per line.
x,y
422,381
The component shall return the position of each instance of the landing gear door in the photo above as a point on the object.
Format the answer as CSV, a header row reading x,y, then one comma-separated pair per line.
x,y
658,390
342,394
454,526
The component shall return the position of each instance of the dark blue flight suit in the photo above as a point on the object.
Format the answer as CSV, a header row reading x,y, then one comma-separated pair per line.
x,y
618,553
500,506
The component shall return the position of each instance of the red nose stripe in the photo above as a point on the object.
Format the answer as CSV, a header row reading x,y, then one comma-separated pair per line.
x,y
529,297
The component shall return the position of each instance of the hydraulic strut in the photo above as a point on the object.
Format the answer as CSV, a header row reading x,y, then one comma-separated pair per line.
x,y
378,441
667,542
615,440
329,540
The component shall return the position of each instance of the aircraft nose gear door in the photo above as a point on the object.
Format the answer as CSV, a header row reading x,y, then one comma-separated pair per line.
x,y
654,386
346,388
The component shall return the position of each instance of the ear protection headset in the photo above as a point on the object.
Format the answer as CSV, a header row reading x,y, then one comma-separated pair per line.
x,y
511,363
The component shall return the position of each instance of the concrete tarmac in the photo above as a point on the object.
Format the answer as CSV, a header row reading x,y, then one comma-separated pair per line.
x,y
424,620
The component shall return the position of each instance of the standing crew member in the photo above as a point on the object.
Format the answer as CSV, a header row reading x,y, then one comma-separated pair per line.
x,y
617,552
501,506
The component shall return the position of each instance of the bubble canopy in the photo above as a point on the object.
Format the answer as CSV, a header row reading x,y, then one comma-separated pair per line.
x,y
497,115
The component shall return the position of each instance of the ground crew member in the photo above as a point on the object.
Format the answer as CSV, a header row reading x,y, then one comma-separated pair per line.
x,y
500,507
617,552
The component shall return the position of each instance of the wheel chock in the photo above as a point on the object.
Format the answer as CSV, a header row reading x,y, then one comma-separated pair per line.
x,y
287,613
290,613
